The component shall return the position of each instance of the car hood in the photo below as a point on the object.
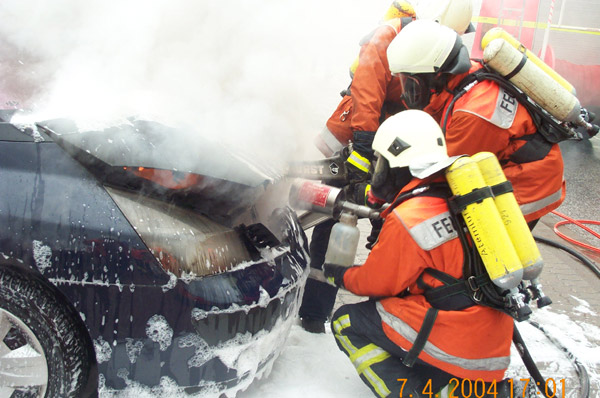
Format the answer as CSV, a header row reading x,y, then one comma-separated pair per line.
x,y
148,144
203,175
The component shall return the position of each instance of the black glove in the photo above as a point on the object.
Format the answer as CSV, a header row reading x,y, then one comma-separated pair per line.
x,y
358,167
358,162
334,274
374,235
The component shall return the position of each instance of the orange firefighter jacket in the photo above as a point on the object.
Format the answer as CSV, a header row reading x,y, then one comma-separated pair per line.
x,y
373,86
471,343
488,119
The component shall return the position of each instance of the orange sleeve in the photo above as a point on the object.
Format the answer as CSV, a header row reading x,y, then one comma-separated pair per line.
x,y
371,79
393,265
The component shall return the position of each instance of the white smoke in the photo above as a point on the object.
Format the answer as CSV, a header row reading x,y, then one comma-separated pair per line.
x,y
263,74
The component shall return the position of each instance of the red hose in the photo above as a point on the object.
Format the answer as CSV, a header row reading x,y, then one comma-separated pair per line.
x,y
579,223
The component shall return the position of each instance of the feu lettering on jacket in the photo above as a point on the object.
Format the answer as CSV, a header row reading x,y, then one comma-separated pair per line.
x,y
432,232
486,118
416,235
502,114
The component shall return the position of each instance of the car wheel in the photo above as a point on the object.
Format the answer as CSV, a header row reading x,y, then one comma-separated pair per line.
x,y
42,352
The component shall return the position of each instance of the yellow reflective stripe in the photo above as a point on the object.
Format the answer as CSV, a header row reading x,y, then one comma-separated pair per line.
x,y
341,323
362,358
367,189
359,161
367,356
378,384
346,344
536,25
510,22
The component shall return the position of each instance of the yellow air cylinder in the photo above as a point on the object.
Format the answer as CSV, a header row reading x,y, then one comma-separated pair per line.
x,y
485,226
512,217
505,59
499,33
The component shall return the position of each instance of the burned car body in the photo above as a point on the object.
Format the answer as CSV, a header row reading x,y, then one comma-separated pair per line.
x,y
121,265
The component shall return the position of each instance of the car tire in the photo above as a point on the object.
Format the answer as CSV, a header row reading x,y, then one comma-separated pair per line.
x,y
42,350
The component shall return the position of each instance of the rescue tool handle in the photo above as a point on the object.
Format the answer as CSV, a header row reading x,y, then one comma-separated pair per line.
x,y
362,211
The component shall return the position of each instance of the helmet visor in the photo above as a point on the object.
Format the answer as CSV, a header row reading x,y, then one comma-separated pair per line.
x,y
416,92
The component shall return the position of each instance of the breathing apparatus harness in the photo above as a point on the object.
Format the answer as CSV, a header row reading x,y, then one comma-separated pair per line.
x,y
475,287
549,130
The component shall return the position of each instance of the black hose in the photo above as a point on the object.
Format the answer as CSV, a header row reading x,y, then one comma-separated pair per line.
x,y
528,361
581,371
584,380
586,261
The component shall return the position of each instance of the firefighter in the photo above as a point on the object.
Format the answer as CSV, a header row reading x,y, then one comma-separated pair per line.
x,y
373,95
432,62
380,335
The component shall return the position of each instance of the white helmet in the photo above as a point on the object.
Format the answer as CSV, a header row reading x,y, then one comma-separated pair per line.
x,y
425,46
411,138
455,14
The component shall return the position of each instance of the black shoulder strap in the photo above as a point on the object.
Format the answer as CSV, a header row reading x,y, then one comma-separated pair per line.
x,y
419,343
461,89
549,131
455,294
436,190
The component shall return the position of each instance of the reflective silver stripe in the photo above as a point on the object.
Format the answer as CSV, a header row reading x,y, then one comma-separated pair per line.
x,y
341,323
377,383
432,232
486,364
363,362
506,110
367,356
359,161
532,207
346,343
330,141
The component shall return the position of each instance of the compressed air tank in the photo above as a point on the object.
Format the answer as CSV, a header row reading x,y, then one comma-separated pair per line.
x,y
499,33
485,226
514,65
511,215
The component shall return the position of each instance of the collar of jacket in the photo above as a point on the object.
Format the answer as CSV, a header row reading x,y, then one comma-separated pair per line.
x,y
411,186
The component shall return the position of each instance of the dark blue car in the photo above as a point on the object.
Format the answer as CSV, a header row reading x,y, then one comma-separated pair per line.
x,y
125,263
